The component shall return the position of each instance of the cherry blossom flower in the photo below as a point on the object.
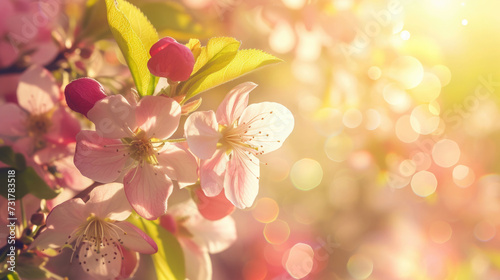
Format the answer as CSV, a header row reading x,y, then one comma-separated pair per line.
x,y
228,141
37,121
171,60
81,94
127,145
55,166
198,237
95,230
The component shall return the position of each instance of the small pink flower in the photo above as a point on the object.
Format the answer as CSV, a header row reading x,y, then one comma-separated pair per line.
x,y
96,230
171,60
38,120
198,237
227,142
127,145
81,94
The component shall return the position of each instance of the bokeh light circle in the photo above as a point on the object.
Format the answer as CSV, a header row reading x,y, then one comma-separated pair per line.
x,y
446,153
306,174
484,231
463,176
338,148
328,121
428,90
360,266
440,231
407,167
277,232
352,118
300,261
423,183
408,71
397,97
282,38
265,210
374,73
443,73
423,120
404,131
373,119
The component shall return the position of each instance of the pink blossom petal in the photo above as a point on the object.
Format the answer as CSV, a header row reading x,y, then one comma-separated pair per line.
x,y
64,128
67,216
98,158
64,196
241,183
37,91
25,146
136,239
213,208
71,177
202,135
13,122
45,52
234,103
130,264
197,261
9,84
179,164
147,189
212,173
109,201
8,54
113,117
62,222
52,238
99,267
168,222
159,116
211,236
271,122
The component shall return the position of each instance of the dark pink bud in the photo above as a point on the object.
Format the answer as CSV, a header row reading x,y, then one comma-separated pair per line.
x,y
171,60
82,94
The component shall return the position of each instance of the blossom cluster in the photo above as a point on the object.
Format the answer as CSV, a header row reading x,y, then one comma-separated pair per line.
x,y
109,161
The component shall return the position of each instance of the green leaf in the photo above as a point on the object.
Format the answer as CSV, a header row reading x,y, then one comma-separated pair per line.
x,y
25,181
211,74
135,35
218,53
16,160
169,260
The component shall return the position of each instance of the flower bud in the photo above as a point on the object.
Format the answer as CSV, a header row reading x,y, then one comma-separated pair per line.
x,y
82,94
171,60
38,219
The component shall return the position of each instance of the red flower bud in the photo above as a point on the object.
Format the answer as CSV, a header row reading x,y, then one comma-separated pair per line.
x,y
82,94
171,60
213,208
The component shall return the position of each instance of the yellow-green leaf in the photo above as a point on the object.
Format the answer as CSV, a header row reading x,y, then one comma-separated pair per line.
x,y
243,63
135,35
169,260
218,51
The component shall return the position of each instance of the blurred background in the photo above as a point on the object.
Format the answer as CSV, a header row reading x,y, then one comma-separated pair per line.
x,y
391,171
